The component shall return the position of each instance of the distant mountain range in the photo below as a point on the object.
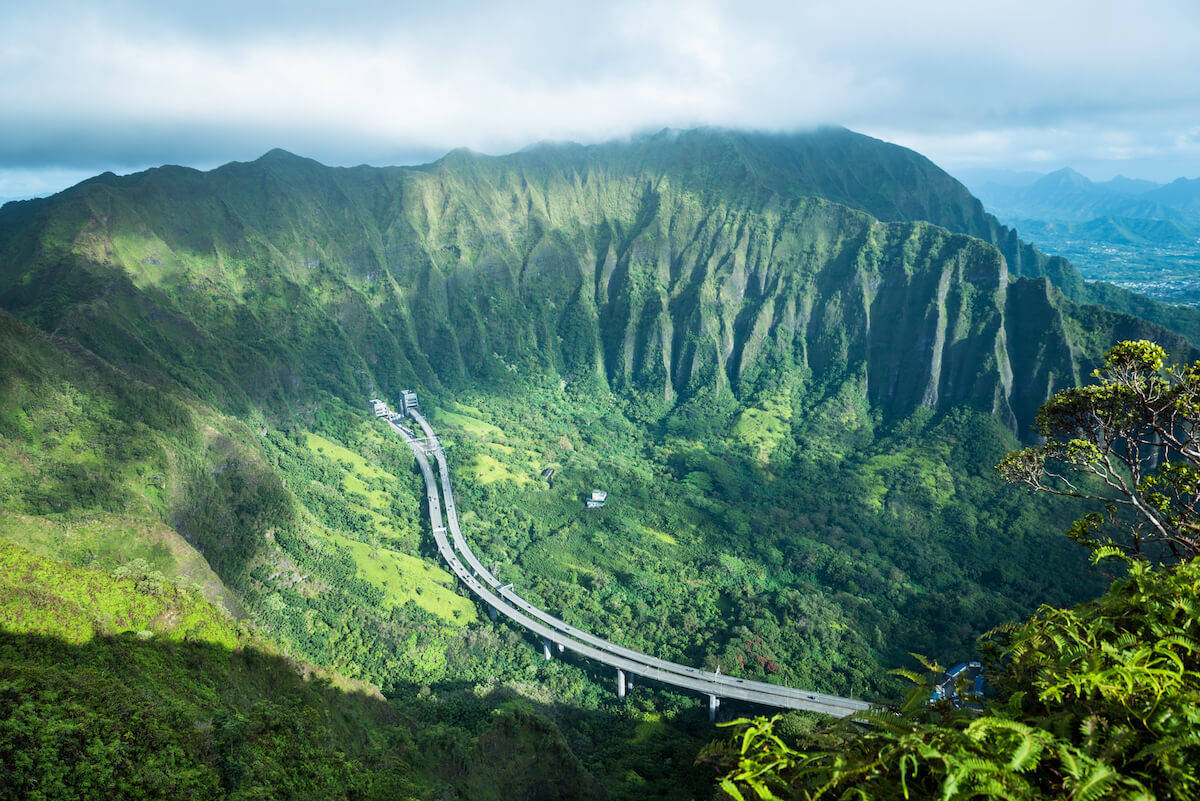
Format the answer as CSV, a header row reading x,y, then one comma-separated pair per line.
x,y
1067,196
1135,233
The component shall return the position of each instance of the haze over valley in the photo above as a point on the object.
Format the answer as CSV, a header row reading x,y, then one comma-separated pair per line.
x,y
1139,234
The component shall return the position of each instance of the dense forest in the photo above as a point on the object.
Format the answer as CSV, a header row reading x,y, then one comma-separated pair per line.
x,y
1096,701
792,372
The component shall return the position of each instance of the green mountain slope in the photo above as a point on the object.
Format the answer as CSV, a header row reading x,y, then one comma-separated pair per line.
x,y
104,470
135,688
791,382
676,268
110,473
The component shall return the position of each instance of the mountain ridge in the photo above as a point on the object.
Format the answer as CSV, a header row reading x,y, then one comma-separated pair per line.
x,y
679,268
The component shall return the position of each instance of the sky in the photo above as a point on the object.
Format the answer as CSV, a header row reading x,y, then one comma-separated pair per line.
x,y
1105,87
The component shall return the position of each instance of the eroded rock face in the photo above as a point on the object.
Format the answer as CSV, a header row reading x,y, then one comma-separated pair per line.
x,y
694,269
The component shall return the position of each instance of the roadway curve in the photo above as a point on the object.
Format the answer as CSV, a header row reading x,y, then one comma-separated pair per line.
x,y
501,598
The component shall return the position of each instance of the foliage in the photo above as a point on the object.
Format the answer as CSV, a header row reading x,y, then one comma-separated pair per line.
x,y
48,598
777,571
1129,441
130,687
340,575
686,323
183,716
1099,701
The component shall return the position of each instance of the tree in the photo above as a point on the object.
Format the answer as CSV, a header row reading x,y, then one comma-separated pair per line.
x,y
1097,702
1129,442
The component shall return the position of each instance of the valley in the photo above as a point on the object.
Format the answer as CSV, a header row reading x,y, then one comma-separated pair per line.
x,y
1138,235
1168,272
555,632
791,369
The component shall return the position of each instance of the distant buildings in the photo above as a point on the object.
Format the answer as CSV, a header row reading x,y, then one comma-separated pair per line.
x,y
596,499
379,407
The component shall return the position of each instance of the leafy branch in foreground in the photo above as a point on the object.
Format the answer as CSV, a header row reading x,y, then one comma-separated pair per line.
x,y
1130,442
1099,701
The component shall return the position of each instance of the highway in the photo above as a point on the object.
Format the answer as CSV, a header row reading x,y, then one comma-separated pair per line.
x,y
551,629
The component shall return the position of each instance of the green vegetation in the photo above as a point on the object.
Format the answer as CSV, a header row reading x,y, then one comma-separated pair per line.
x,y
808,570
38,596
316,583
486,469
1097,701
471,425
132,687
360,478
404,578
765,429
1128,441
790,379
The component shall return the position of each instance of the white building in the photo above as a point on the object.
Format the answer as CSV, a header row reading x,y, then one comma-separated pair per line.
x,y
596,499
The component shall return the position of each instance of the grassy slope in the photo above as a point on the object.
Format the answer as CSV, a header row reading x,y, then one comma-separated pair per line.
x,y
103,470
41,596
93,461
325,579
134,687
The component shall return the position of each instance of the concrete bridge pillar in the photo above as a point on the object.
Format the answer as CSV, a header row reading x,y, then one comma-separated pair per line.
x,y
620,683
492,613
713,703
560,647
546,649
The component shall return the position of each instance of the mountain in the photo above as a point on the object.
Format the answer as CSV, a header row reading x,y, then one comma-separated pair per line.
x,y
1128,186
1182,194
791,360
1065,180
683,268
984,179
1126,231
1122,235
1067,196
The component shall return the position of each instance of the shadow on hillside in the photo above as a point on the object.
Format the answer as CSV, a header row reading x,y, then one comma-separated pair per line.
x,y
172,719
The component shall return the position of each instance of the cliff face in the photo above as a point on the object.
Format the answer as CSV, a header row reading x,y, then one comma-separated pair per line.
x,y
677,270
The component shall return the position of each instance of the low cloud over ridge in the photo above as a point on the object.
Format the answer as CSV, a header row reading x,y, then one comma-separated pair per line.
x,y
1108,87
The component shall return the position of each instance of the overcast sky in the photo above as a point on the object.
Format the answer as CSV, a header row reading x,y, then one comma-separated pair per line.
x,y
1106,87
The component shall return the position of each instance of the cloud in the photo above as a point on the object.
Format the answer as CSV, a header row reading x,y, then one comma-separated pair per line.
x,y
126,84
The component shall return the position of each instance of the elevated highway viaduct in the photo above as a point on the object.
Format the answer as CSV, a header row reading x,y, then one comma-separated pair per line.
x,y
501,599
